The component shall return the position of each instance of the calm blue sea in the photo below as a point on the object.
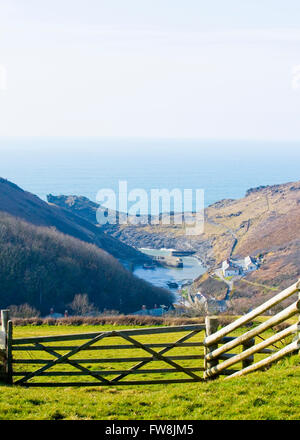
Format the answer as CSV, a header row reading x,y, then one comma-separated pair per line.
x,y
84,166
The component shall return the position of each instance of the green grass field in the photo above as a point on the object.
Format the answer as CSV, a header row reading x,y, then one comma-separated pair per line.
x,y
273,394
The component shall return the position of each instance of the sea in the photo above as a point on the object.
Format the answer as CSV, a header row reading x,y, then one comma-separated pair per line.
x,y
223,169
83,166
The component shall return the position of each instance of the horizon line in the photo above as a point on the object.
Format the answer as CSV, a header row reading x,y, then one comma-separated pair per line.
x,y
150,138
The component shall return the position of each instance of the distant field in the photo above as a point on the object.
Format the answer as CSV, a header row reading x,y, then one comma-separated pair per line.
x,y
273,394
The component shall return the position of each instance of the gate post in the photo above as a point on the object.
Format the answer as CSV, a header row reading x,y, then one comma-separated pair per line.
x,y
211,326
9,364
6,347
4,320
3,345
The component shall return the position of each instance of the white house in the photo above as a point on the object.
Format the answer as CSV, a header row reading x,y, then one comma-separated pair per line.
x,y
249,264
230,269
238,267
208,303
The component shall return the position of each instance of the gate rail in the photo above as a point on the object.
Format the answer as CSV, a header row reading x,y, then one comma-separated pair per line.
x,y
215,353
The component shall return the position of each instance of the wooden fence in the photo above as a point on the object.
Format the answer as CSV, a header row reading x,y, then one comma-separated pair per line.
x,y
214,352
202,352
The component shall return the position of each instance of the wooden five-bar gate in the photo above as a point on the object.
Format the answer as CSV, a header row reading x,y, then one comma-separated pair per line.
x,y
180,354
97,348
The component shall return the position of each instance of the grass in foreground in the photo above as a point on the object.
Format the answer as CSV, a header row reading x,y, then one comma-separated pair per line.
x,y
273,394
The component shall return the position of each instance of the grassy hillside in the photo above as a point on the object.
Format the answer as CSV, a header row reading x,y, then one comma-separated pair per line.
x,y
268,395
28,207
46,268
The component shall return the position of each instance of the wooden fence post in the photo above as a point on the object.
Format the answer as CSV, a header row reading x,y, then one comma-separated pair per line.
x,y
4,320
9,365
249,361
298,329
297,335
211,326
256,312
4,345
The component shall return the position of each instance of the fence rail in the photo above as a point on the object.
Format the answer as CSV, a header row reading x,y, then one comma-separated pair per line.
x,y
214,352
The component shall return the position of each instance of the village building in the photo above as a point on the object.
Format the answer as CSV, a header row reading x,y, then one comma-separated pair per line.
x,y
230,269
250,264
238,267
208,303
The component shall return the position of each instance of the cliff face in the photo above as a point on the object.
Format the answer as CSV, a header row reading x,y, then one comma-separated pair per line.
x,y
266,222
137,235
266,219
28,207
78,205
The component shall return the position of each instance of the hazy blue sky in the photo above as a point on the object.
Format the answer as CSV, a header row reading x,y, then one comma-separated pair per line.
x,y
150,68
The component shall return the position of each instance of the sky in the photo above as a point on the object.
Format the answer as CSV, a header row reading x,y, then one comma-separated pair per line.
x,y
150,68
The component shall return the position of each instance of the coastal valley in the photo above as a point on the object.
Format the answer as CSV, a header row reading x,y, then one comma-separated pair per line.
x,y
43,237
264,224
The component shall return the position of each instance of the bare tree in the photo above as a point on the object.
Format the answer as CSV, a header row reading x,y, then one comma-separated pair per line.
x,y
81,305
23,311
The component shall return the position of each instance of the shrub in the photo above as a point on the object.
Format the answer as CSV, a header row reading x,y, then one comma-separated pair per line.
x,y
110,320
